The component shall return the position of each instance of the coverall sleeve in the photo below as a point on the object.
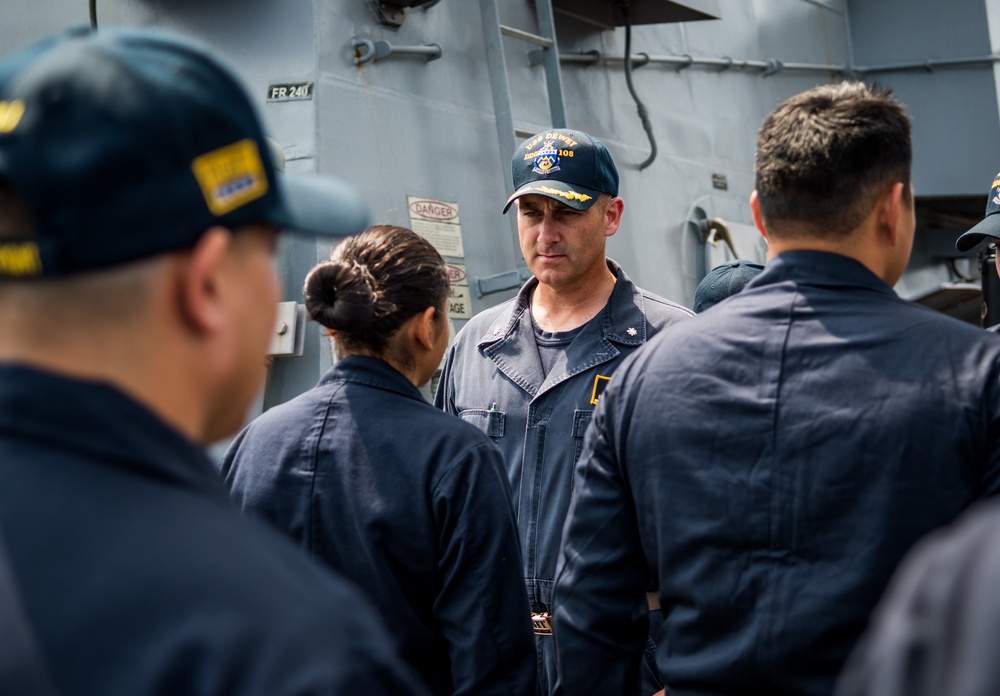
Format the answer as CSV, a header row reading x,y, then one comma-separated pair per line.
x,y
990,485
601,617
936,630
444,397
227,465
482,608
344,657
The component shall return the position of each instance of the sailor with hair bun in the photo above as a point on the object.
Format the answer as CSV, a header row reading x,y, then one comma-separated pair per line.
x,y
409,502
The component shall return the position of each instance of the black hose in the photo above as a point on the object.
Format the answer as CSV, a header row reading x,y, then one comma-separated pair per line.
x,y
93,14
640,107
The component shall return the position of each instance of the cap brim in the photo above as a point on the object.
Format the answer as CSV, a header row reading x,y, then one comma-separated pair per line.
x,y
576,197
322,205
988,227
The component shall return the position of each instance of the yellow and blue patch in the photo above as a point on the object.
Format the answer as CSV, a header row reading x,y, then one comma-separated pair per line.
x,y
20,260
10,115
231,176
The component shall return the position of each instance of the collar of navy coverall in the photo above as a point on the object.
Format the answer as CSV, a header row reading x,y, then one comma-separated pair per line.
x,y
624,310
98,422
819,268
373,372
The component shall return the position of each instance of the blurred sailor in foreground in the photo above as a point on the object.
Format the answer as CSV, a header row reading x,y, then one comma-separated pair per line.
x,y
936,630
139,212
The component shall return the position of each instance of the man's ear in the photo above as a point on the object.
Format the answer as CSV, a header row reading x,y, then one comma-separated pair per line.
x,y
613,216
890,205
758,219
198,280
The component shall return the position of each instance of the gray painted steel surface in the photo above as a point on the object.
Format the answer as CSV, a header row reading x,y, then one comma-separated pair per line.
x,y
404,125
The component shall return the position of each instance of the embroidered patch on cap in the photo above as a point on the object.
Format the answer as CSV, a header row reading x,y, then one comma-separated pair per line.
x,y
546,159
20,259
231,176
10,115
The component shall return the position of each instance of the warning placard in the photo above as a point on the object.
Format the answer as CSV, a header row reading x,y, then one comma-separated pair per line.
x,y
460,303
457,274
438,222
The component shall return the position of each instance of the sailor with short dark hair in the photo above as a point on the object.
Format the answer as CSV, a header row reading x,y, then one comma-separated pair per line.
x,y
769,462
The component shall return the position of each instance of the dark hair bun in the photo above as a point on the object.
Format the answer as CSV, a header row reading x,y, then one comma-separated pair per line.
x,y
321,287
373,283
340,293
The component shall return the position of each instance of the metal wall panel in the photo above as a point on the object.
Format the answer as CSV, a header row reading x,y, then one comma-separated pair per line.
x,y
405,125
956,123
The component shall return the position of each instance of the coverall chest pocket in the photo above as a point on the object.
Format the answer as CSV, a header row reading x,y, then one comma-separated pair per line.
x,y
490,421
581,419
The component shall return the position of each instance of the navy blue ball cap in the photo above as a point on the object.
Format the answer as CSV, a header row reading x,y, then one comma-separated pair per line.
x,y
990,224
567,165
724,280
126,144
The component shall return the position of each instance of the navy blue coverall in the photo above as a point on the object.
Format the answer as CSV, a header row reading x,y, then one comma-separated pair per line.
x,y
936,630
410,503
139,575
771,460
493,378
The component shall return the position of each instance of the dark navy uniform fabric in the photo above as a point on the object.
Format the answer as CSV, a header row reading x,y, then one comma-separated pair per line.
x,y
22,667
410,503
493,378
937,630
139,576
771,460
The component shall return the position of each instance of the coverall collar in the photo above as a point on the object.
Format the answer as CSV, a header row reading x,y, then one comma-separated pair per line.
x,y
373,372
623,319
114,430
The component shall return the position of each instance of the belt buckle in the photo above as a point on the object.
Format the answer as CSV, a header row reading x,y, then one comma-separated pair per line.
x,y
541,623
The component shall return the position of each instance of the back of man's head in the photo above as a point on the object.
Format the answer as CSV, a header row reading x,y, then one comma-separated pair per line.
x,y
825,155
50,310
138,208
